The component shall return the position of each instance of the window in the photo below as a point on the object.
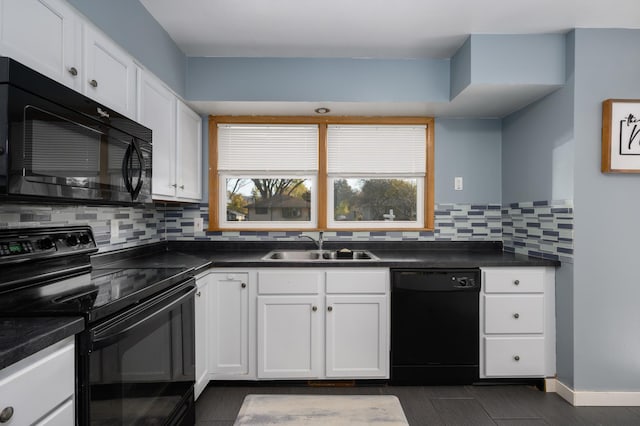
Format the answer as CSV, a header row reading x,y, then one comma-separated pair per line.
x,y
321,173
376,175
267,175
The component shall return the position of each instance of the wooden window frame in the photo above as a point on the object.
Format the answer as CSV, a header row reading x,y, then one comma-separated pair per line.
x,y
322,122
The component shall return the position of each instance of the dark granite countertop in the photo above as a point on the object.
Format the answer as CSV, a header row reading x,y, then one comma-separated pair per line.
x,y
391,255
21,337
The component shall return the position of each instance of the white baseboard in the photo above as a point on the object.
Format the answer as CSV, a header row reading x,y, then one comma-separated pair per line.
x,y
591,398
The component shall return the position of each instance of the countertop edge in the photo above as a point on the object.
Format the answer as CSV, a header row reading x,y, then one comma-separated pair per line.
x,y
19,340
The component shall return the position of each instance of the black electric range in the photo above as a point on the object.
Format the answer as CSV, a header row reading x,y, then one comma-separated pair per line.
x,y
136,358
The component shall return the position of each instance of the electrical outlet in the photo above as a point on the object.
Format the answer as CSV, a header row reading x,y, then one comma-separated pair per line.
x,y
198,224
457,183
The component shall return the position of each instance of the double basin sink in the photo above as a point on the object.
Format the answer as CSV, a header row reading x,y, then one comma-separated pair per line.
x,y
320,255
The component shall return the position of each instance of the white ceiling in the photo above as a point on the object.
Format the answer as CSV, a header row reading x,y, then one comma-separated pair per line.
x,y
370,29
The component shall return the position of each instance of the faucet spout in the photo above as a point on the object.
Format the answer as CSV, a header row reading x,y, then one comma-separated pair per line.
x,y
317,242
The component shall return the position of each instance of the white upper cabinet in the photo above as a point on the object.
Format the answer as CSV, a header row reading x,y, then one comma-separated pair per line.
x,y
55,40
189,154
44,35
110,76
157,111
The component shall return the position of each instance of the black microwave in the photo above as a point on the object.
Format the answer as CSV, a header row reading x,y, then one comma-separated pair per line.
x,y
58,145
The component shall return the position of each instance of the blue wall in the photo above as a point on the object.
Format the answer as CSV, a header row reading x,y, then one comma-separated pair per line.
x,y
318,79
607,290
469,148
537,164
130,25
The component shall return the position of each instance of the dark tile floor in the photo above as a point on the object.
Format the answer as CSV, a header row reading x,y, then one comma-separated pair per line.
x,y
508,405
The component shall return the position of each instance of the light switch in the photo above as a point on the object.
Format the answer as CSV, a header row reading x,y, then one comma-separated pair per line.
x,y
198,224
457,183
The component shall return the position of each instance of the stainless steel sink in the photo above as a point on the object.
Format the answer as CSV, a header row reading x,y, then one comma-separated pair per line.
x,y
319,255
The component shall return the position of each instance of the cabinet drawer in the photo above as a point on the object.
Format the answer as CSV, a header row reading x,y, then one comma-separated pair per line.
x,y
514,314
513,280
38,383
62,416
518,356
289,282
361,281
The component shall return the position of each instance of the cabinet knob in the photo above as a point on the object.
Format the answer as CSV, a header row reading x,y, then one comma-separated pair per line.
x,y
243,285
330,308
517,357
73,71
181,186
198,294
516,315
6,414
175,185
93,83
516,282
315,308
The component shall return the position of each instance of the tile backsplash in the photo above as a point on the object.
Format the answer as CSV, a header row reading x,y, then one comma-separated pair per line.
x,y
453,222
539,228
135,225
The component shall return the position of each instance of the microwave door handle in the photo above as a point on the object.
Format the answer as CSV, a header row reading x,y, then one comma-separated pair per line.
x,y
135,191
125,169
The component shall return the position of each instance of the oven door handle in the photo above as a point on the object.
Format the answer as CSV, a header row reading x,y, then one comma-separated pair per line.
x,y
118,328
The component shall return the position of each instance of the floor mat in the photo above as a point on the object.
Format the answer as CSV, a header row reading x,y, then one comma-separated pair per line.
x,y
383,410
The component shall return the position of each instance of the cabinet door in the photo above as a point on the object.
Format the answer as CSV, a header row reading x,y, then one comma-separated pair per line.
x,y
110,73
44,35
157,111
202,338
357,336
189,158
229,319
289,337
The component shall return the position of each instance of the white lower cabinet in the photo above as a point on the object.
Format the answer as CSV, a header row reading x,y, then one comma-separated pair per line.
x,y
323,323
289,336
40,389
202,313
229,325
517,322
356,336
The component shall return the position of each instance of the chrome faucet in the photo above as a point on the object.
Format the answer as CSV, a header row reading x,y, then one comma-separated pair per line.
x,y
317,242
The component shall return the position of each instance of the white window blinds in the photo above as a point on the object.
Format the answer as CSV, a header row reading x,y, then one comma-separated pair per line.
x,y
369,150
270,148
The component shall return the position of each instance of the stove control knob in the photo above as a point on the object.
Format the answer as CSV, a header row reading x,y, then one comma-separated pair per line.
x,y
84,239
46,243
72,240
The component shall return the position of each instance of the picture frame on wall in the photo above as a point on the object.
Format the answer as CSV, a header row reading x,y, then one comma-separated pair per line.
x,y
621,136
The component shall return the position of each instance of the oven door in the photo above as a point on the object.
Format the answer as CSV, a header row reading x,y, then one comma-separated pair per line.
x,y
142,362
58,153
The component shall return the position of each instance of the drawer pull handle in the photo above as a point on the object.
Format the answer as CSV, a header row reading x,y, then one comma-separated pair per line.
x,y
243,285
516,282
516,315
330,308
93,83
517,357
315,308
73,71
6,414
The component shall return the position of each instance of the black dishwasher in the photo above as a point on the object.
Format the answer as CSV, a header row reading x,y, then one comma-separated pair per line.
x,y
434,326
